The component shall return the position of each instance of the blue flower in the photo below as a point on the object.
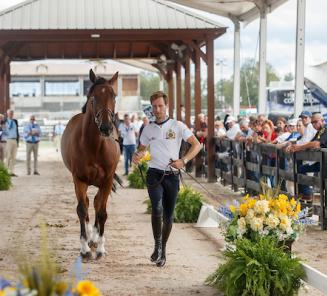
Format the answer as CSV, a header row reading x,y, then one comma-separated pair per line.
x,y
4,283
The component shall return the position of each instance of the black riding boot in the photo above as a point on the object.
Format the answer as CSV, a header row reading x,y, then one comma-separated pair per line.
x,y
166,229
156,229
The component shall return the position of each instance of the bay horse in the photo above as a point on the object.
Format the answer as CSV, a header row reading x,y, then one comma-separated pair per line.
x,y
90,150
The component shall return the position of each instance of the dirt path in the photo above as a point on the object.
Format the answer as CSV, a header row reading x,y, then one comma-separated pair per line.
x,y
126,269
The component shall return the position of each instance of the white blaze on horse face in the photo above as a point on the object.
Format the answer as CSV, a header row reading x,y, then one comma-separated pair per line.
x,y
84,246
103,89
100,248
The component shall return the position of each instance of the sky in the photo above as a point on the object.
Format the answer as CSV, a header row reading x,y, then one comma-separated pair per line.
x,y
281,37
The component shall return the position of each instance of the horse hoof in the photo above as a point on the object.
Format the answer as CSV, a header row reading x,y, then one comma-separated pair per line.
x,y
100,255
92,244
86,256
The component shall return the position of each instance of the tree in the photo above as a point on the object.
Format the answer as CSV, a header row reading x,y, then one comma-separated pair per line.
x,y
289,77
149,83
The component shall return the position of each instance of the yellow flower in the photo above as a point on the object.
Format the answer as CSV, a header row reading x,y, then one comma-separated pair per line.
x,y
232,209
298,208
7,291
60,288
251,203
283,197
243,209
146,157
293,202
87,288
246,197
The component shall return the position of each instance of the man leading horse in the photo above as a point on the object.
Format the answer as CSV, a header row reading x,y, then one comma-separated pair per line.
x,y
164,138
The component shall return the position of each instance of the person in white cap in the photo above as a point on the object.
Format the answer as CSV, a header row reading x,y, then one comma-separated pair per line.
x,y
233,128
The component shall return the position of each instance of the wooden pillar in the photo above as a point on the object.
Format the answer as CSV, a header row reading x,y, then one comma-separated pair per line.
x,y
187,91
170,82
197,107
178,91
211,110
7,85
3,104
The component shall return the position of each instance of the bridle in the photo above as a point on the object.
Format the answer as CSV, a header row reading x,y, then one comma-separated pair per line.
x,y
99,115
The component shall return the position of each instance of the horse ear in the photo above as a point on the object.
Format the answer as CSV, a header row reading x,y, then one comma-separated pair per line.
x,y
92,76
113,78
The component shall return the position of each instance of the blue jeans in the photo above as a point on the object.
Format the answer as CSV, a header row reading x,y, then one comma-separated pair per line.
x,y
128,153
307,168
163,196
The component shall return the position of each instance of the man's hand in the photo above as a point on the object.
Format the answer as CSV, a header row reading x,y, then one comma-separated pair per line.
x,y
137,157
177,164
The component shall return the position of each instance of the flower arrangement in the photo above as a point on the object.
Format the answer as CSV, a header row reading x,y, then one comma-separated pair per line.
x,y
257,268
135,178
264,215
41,277
258,257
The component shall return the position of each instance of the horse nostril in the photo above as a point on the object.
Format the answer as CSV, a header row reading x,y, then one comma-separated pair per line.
x,y
104,128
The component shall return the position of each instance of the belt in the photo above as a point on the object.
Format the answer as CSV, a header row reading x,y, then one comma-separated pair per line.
x,y
162,172
32,142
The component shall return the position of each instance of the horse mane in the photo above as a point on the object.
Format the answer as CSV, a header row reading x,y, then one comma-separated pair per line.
x,y
100,80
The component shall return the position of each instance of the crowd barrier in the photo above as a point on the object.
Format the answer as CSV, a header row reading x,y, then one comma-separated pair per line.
x,y
240,166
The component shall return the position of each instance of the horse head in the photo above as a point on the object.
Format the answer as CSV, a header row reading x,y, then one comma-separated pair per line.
x,y
101,98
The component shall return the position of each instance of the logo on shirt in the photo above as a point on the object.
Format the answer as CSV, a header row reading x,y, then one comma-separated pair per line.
x,y
170,134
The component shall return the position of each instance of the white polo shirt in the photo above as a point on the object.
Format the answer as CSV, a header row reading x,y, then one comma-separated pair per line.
x,y
164,141
128,134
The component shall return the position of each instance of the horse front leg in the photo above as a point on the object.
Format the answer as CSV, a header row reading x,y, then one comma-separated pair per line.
x,y
100,204
82,212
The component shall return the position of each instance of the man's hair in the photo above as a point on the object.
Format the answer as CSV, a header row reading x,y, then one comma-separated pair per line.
x,y
126,115
159,94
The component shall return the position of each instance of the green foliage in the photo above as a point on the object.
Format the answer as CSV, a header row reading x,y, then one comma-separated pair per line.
x,y
148,206
42,275
188,205
5,179
135,178
258,268
149,83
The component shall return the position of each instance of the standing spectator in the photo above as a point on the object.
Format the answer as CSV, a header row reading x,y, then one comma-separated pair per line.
x,y
128,133
12,142
145,123
233,128
32,133
58,130
2,138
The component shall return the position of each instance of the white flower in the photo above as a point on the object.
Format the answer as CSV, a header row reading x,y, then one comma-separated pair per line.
x,y
241,229
261,207
272,221
256,224
249,216
285,223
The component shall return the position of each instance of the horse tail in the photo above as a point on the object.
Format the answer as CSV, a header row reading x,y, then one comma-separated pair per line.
x,y
118,180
